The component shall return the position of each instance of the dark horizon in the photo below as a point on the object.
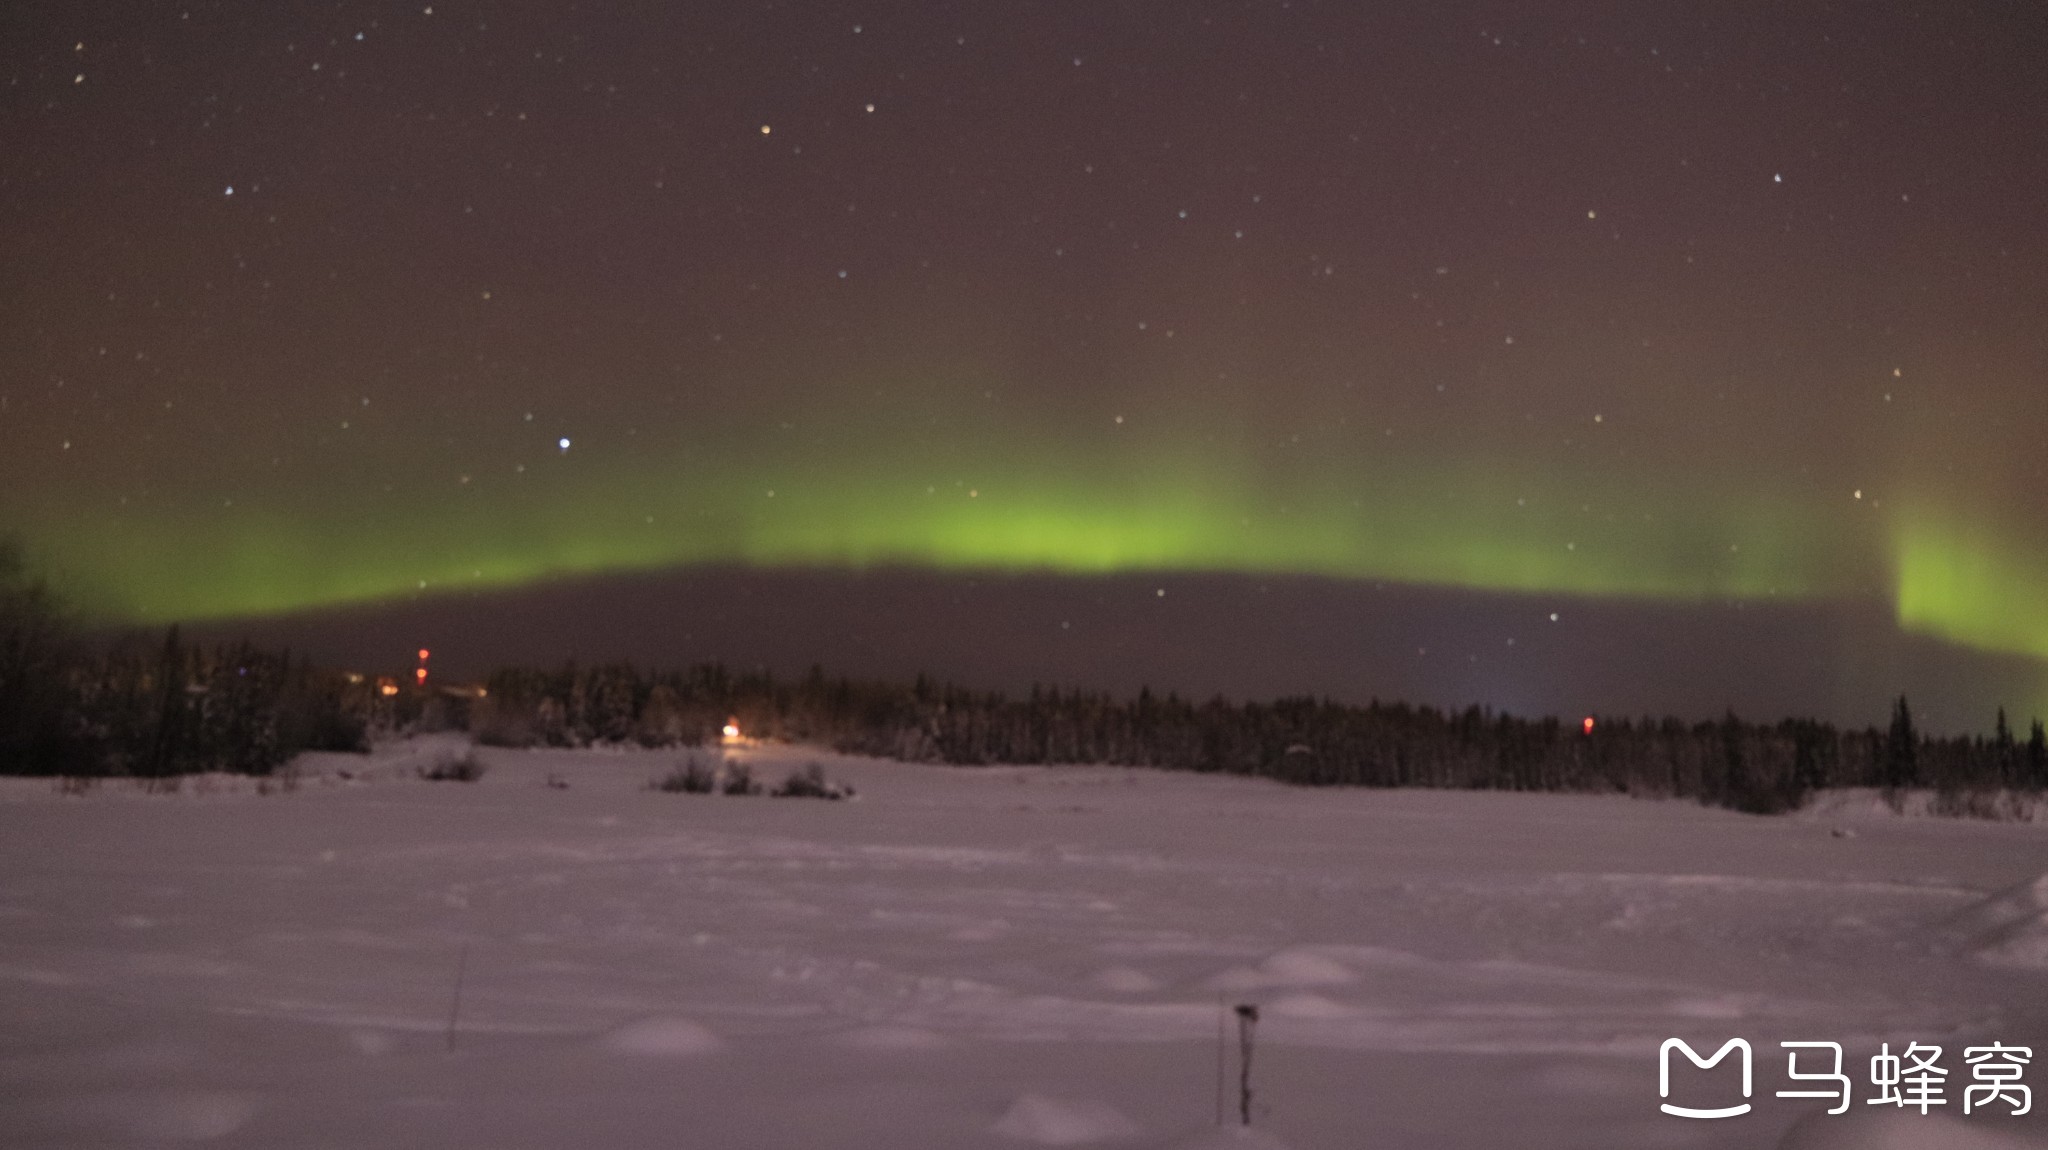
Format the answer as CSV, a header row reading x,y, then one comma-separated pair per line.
x,y
1244,638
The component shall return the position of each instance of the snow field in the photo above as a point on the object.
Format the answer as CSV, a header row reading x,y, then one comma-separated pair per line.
x,y
995,957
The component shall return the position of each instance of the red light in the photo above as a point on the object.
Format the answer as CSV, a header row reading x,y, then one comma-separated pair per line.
x,y
1589,724
424,653
422,673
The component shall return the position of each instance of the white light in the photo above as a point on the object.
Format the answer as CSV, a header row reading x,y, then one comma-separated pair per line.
x,y
563,443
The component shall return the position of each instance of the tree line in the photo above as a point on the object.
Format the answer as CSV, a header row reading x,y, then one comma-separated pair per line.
x,y
148,707
144,706
1760,767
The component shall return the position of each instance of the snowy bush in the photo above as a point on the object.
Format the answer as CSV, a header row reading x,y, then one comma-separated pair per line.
x,y
693,776
453,766
690,777
810,783
739,779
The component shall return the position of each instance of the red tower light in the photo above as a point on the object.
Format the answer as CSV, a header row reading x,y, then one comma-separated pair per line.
x,y
1589,724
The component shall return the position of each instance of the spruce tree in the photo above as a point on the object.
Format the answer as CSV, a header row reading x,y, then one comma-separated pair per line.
x,y
168,738
1902,747
2004,755
36,734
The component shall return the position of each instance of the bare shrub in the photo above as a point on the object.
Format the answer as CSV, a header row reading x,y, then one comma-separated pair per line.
x,y
739,779
689,777
810,783
450,766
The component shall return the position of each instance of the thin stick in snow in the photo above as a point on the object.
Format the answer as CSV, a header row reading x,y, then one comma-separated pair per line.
x,y
1247,1018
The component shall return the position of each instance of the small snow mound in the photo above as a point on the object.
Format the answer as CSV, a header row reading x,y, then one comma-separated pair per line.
x,y
893,1038
1898,1130
1229,1138
2009,928
187,1117
1310,1006
368,1040
1124,980
1306,968
1063,1122
1299,966
1708,1006
662,1035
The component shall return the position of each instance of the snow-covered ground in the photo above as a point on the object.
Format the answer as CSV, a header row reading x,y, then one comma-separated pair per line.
x,y
961,958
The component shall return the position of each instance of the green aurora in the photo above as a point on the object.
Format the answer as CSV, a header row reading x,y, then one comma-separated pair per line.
x,y
1012,503
1618,313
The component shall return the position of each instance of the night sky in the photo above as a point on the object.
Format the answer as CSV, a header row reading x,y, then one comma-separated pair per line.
x,y
1094,329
